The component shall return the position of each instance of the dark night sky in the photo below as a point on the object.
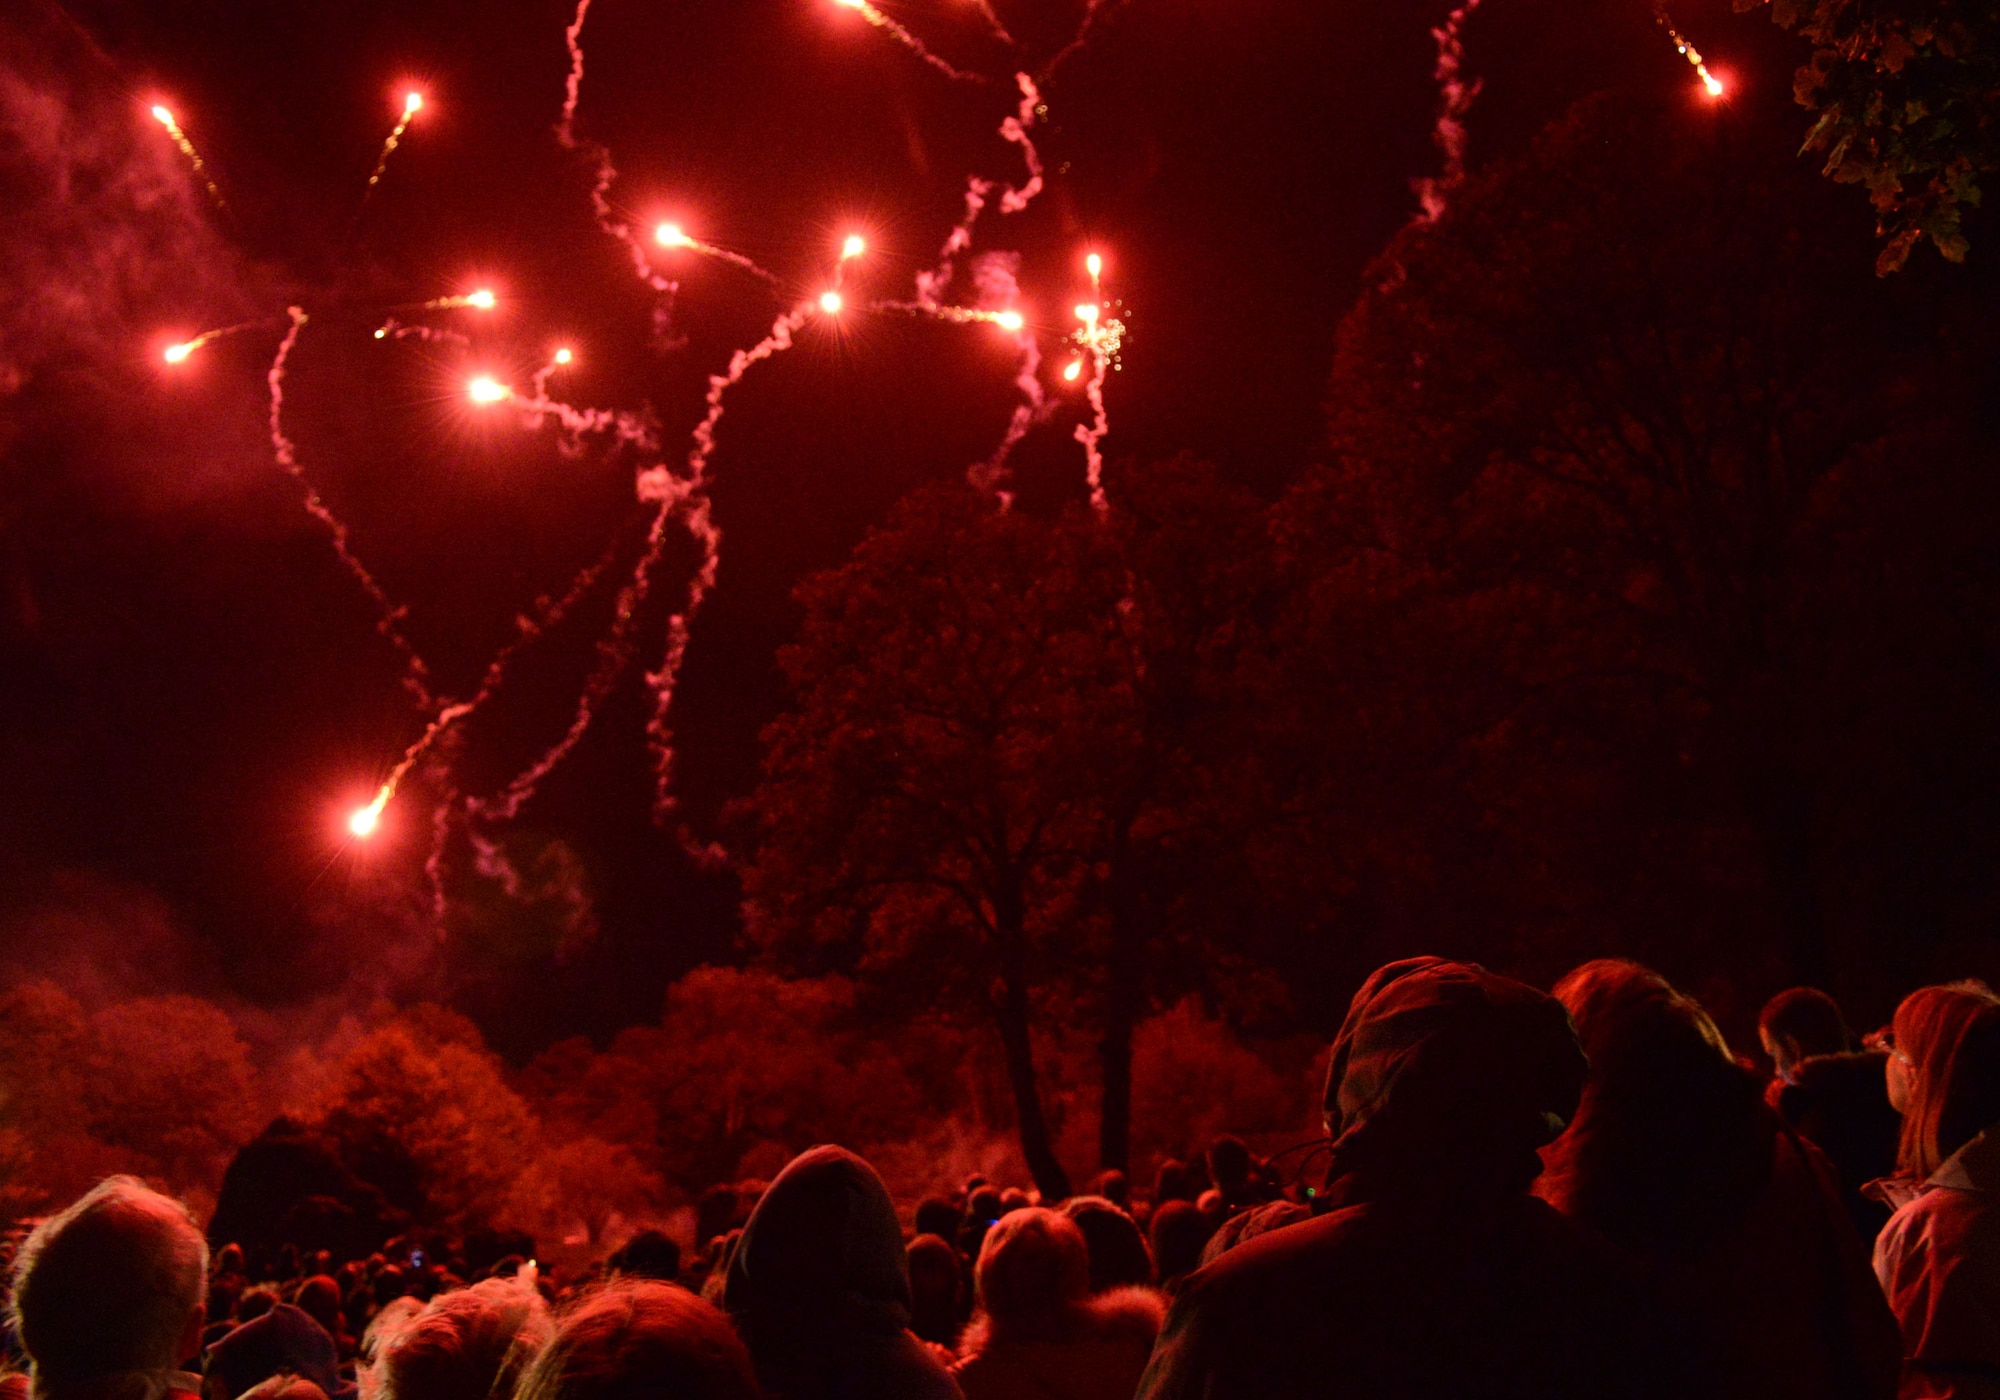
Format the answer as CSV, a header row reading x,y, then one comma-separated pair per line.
x,y
193,693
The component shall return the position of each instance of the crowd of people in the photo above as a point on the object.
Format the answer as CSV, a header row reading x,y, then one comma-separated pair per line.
x,y
1565,1194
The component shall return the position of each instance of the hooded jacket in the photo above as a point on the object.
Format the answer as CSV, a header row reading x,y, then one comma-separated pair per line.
x,y
1434,1273
819,1288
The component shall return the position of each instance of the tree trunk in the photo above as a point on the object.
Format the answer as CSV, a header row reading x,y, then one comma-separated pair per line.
x,y
1010,1012
1124,995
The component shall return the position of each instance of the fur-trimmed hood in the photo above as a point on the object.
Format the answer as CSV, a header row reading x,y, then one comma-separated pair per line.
x,y
1095,1349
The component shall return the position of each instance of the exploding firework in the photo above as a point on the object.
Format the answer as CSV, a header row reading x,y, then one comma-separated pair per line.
x,y
675,497
165,118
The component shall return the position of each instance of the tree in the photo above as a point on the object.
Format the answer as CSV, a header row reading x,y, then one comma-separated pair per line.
x,y
1906,100
1585,429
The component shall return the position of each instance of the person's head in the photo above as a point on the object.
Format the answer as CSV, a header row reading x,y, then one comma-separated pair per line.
x,y
282,1341
640,1339
113,1284
1033,1271
1118,1254
937,1284
937,1216
284,1387
1671,1141
1013,1199
1927,1034
820,1269
1447,1079
1801,1022
464,1345
648,1254
1113,1186
1170,1182
983,1205
1178,1231
319,1299
1229,1167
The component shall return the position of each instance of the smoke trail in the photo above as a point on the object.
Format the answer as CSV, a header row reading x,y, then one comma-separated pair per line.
x,y
1091,434
416,675
909,41
994,275
600,189
692,491
992,18
1015,129
1094,14
1455,99
392,329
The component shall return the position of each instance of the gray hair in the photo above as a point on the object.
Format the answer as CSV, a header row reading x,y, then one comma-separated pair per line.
x,y
109,1286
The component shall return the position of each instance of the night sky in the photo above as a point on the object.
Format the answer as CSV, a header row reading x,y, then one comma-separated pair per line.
x,y
192,690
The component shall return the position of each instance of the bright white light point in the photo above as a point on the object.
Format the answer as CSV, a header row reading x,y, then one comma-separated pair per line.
x,y
563,356
852,4
412,102
1087,313
177,353
1712,83
853,247
487,389
1072,370
483,299
670,236
1009,321
830,303
366,819
1094,264
163,116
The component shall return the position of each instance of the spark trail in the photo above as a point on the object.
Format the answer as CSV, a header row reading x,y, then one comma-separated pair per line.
x,y
166,119
412,104
673,236
175,354
1710,83
389,615
908,40
1455,99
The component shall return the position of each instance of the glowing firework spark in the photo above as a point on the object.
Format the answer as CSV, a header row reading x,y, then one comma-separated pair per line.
x,y
481,300
412,104
366,819
175,354
166,119
674,236
907,40
1455,99
392,329
1709,82
830,302
389,615
487,390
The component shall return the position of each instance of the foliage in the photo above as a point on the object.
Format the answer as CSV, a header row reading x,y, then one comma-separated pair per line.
x,y
159,1086
1906,98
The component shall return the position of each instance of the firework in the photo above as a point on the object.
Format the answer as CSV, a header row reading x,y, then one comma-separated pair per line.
x,y
600,189
674,236
165,118
907,40
1100,337
389,615
176,354
1711,84
413,102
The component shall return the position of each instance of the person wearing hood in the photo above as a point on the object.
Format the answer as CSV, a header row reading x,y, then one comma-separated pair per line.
x,y
1938,1258
1430,1271
1040,1333
284,1340
1735,1223
819,1288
